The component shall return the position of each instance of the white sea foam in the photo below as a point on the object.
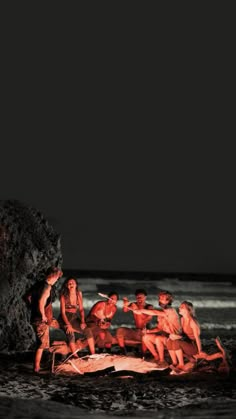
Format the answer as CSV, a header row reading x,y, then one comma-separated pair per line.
x,y
204,326
210,326
199,302
172,284
215,303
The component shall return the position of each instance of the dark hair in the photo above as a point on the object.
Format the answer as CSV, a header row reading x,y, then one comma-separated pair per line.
x,y
189,307
51,270
113,293
64,290
141,291
168,294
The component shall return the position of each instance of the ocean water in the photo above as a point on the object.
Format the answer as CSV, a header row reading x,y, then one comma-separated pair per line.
x,y
214,302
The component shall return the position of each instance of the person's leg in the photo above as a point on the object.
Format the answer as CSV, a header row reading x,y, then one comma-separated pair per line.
x,y
72,345
216,355
90,339
100,340
81,344
102,336
189,349
136,336
37,359
108,340
180,357
42,336
91,345
173,357
73,348
160,343
185,349
143,348
121,334
211,357
148,341
172,346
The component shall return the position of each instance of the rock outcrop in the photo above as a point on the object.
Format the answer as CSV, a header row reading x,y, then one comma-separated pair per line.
x,y
28,247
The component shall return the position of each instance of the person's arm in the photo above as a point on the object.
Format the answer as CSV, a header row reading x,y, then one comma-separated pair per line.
x,y
196,332
42,302
81,309
69,328
154,330
126,304
150,312
148,318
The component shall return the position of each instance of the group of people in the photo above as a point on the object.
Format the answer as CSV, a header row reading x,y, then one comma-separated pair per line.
x,y
176,332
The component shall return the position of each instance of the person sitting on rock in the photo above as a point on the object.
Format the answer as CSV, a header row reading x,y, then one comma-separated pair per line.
x,y
156,338
72,317
188,344
124,334
99,321
39,299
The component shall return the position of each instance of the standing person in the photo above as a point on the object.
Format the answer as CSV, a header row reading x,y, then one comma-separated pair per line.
x,y
39,299
188,344
72,318
141,321
99,320
168,322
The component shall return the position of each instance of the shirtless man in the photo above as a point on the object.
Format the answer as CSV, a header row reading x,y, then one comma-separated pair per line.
x,y
168,323
140,320
99,320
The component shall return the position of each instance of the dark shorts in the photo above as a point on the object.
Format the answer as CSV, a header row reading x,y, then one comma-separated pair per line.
x,y
188,347
102,337
129,334
42,334
75,322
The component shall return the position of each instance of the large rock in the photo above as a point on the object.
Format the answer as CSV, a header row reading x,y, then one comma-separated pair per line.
x,y
28,247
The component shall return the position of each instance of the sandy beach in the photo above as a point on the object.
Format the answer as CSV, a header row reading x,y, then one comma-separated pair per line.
x,y
24,394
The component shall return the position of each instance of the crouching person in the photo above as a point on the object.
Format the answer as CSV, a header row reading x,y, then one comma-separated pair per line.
x,y
99,321
188,343
72,318
168,322
125,334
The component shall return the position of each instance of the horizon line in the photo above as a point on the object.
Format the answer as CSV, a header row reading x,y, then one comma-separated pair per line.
x,y
142,274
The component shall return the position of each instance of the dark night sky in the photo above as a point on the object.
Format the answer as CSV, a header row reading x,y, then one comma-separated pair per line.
x,y
134,170
136,208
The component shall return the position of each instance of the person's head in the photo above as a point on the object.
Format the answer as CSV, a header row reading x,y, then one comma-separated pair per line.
x,y
141,295
186,308
165,299
69,284
53,274
114,297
